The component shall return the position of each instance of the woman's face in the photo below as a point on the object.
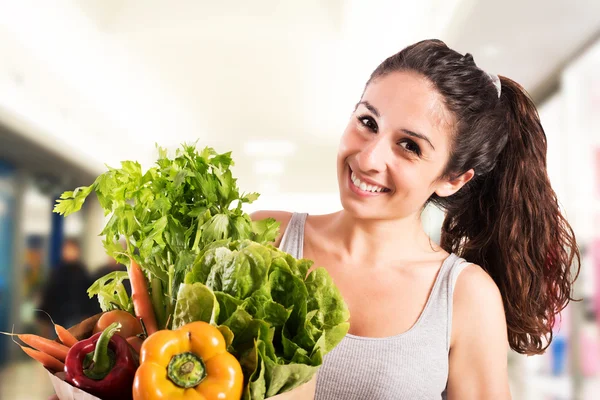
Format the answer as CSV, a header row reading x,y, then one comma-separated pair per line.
x,y
394,148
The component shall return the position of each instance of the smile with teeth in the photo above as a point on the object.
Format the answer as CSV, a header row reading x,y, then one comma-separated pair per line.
x,y
366,187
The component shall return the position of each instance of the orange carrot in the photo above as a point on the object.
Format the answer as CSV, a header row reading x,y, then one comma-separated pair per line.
x,y
47,360
142,304
50,347
65,336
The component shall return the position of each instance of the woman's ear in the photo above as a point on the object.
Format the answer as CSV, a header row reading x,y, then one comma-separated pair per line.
x,y
449,187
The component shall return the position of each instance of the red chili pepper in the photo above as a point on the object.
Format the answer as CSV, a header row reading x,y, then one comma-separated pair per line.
x,y
102,365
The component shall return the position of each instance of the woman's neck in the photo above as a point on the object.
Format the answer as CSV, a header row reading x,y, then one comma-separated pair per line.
x,y
379,241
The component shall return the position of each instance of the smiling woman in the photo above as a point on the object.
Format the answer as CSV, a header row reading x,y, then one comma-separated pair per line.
x,y
381,146
437,321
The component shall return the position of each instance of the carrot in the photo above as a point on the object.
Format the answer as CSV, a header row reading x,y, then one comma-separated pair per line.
x,y
65,336
47,360
142,304
50,347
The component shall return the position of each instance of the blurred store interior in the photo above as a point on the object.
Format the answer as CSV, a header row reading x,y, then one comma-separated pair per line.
x,y
84,83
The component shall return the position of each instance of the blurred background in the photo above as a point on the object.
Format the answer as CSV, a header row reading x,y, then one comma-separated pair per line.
x,y
85,83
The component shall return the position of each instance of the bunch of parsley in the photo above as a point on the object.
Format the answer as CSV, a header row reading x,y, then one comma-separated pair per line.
x,y
166,215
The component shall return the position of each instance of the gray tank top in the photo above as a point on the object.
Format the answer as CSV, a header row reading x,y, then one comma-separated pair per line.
x,y
410,366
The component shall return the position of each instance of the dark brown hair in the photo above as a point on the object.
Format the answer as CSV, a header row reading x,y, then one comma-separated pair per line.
x,y
507,218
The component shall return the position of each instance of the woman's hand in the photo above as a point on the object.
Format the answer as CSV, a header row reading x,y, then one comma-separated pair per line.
x,y
479,344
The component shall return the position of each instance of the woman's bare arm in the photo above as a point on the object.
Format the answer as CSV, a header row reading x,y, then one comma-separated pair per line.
x,y
479,344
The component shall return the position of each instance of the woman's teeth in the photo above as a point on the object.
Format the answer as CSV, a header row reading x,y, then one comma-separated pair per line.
x,y
365,187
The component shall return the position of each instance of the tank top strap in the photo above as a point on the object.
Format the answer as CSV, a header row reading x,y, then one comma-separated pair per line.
x,y
437,315
457,267
292,241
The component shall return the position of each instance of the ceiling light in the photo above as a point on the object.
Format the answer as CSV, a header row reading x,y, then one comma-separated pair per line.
x,y
269,167
270,148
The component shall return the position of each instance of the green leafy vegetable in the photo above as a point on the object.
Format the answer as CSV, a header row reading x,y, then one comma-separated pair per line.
x,y
283,321
167,216
195,302
111,292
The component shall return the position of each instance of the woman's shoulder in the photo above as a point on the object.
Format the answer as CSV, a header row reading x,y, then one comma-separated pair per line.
x,y
473,279
283,217
477,298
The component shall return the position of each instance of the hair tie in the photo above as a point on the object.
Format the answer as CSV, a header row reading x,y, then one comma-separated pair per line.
x,y
496,82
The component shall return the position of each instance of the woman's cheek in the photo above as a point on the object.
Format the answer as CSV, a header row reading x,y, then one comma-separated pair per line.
x,y
349,143
406,177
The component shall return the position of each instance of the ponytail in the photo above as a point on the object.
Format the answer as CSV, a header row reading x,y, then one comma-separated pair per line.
x,y
513,228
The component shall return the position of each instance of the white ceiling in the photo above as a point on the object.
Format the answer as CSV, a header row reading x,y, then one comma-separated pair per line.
x,y
528,41
102,80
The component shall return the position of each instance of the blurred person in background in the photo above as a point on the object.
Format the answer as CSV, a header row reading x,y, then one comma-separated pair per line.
x,y
436,322
65,294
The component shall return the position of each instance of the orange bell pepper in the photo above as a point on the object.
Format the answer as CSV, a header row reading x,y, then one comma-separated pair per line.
x,y
191,362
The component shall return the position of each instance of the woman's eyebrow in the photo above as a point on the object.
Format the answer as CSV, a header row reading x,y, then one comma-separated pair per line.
x,y
372,108
418,135
369,107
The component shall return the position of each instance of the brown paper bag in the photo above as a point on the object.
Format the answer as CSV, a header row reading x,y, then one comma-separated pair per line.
x,y
84,329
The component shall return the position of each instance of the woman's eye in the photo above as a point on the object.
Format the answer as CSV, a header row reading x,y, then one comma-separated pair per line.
x,y
411,147
368,122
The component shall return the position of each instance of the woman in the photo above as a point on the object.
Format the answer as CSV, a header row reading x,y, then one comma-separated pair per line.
x,y
432,321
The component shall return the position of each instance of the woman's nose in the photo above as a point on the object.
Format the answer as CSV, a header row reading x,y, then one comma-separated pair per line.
x,y
373,156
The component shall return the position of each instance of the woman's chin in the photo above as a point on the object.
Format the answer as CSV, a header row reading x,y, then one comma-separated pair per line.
x,y
360,210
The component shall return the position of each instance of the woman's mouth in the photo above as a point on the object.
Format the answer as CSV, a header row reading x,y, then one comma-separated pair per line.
x,y
363,188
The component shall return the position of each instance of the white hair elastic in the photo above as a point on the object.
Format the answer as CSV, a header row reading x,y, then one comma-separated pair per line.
x,y
496,82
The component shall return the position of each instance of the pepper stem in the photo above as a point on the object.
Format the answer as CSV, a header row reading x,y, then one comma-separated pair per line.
x,y
186,370
99,363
